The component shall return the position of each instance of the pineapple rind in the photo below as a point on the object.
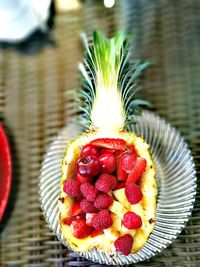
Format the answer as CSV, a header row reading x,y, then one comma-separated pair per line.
x,y
146,208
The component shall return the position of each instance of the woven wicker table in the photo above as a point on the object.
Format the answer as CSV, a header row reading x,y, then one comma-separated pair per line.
x,y
33,109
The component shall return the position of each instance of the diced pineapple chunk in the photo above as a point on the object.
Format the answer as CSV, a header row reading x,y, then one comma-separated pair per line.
x,y
117,208
125,230
121,197
111,233
117,222
139,240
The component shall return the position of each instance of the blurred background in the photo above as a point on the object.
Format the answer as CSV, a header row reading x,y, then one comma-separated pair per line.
x,y
40,48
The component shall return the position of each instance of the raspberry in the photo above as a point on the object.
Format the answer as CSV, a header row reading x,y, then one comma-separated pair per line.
x,y
88,191
87,206
80,229
106,182
133,193
131,220
103,201
124,244
71,187
102,220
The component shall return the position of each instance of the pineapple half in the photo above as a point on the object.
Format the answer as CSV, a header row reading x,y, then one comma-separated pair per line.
x,y
107,106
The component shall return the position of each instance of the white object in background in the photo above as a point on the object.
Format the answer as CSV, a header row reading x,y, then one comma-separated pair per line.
x,y
67,5
109,3
19,18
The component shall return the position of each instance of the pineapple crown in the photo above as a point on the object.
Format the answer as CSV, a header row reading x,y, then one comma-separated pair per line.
x,y
106,100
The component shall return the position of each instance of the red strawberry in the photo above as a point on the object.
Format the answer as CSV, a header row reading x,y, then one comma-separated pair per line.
x,y
89,217
113,143
138,169
68,221
132,148
75,210
128,160
131,220
80,216
96,233
80,229
133,193
106,150
120,185
124,244
83,179
121,174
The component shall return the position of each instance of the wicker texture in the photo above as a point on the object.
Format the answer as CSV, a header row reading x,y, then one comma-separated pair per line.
x,y
33,108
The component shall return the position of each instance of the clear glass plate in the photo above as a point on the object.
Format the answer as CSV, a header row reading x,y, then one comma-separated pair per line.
x,y
176,179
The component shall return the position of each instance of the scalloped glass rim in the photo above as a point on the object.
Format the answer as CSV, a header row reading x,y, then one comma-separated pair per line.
x,y
176,178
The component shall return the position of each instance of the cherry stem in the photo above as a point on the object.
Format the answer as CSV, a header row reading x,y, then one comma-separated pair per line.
x,y
127,150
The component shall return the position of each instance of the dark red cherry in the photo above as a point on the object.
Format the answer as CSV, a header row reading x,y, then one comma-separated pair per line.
x,y
88,166
107,162
89,150
106,150
83,179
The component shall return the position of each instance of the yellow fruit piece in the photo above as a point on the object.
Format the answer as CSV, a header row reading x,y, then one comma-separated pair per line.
x,y
101,241
125,230
117,222
111,233
139,240
121,197
117,208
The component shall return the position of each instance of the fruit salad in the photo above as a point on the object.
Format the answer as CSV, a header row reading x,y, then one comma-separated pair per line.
x,y
108,192
108,188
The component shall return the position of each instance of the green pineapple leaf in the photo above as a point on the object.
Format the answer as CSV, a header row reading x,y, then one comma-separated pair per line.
x,y
109,83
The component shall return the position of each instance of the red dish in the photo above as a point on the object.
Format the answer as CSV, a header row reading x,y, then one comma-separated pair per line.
x,y
5,171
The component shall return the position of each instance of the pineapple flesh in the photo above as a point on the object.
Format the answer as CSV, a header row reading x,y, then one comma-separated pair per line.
x,y
106,110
